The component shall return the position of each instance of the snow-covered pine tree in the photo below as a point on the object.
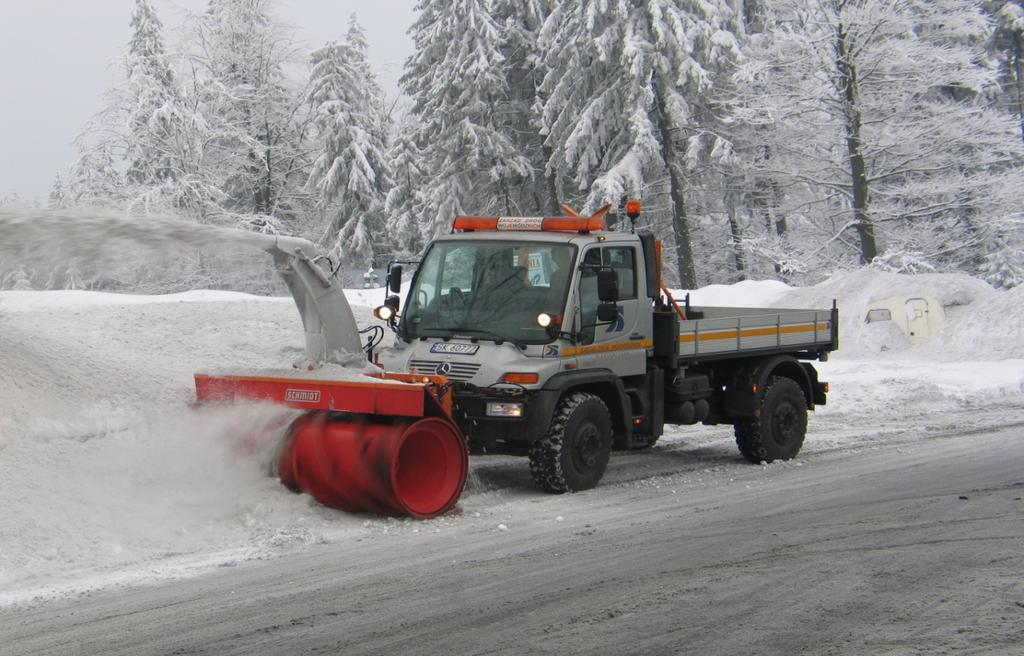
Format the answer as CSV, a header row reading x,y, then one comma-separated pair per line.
x,y
404,204
378,121
350,175
374,100
148,93
58,198
1004,267
521,22
94,179
457,79
877,118
134,126
629,97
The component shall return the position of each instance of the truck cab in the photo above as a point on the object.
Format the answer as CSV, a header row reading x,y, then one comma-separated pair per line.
x,y
558,343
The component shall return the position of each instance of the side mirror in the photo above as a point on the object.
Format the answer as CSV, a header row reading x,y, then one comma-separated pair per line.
x,y
394,280
607,312
607,285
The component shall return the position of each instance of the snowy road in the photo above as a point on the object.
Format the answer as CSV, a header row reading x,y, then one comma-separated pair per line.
x,y
913,547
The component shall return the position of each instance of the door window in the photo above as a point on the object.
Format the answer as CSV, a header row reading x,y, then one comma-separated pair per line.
x,y
622,260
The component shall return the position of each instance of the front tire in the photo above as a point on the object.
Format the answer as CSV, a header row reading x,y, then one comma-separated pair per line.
x,y
574,454
780,427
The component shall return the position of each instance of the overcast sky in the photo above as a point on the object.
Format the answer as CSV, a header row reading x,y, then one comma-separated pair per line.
x,y
57,57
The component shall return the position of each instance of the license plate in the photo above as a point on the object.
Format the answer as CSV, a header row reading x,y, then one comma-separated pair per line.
x,y
459,349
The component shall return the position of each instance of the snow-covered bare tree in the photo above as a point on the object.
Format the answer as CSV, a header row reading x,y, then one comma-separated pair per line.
x,y
256,145
1009,47
875,116
153,129
629,98
458,82
350,175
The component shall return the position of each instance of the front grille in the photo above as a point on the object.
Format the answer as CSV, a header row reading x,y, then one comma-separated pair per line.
x,y
461,371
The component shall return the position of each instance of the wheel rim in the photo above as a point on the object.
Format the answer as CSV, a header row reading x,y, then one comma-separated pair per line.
x,y
785,424
586,449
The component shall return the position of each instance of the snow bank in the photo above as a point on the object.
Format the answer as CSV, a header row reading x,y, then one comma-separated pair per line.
x,y
747,293
110,476
981,322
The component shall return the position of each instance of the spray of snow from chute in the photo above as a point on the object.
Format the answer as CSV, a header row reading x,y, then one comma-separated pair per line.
x,y
54,235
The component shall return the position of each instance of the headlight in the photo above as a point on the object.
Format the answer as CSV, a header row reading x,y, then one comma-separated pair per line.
x,y
384,312
544,319
498,409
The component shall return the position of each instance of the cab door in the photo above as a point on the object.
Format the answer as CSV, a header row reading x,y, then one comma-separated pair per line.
x,y
620,345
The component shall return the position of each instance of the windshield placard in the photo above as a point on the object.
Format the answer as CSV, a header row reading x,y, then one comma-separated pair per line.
x,y
458,349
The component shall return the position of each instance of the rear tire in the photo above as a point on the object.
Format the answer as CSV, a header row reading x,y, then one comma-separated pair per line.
x,y
780,427
574,454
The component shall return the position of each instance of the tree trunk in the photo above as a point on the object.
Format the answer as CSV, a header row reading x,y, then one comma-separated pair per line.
x,y
735,238
858,170
551,183
776,205
752,19
1018,70
680,220
767,195
680,224
268,185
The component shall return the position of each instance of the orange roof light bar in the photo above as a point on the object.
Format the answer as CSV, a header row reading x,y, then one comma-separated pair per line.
x,y
573,224
475,223
531,223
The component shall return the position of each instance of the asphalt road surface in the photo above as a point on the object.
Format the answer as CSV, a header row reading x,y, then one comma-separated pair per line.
x,y
910,548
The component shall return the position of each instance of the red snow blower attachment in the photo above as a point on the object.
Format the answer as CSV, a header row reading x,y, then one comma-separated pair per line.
x,y
382,443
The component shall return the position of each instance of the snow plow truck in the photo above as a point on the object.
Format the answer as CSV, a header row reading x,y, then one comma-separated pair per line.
x,y
552,338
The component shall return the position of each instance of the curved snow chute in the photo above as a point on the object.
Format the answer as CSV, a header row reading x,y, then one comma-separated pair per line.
x,y
381,443
331,331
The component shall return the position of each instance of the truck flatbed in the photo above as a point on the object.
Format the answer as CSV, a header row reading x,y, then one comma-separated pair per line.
x,y
718,332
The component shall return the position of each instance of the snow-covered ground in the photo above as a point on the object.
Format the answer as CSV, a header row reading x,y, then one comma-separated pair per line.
x,y
110,478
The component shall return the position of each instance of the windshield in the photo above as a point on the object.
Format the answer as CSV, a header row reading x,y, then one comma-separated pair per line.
x,y
488,289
